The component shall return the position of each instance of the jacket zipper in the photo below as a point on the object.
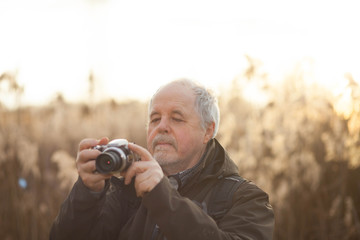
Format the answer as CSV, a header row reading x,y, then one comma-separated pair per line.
x,y
155,232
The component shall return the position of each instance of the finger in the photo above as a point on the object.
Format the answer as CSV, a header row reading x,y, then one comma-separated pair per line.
x,y
95,182
136,168
145,187
146,181
88,174
91,142
103,141
87,155
142,152
87,143
142,185
90,167
87,167
132,171
145,177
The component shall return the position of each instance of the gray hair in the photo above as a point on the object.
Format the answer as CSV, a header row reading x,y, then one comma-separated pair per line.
x,y
206,103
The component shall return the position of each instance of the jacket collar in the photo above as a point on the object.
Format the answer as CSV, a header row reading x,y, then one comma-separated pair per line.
x,y
214,163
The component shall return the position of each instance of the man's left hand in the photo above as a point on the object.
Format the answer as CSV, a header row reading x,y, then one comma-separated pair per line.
x,y
147,172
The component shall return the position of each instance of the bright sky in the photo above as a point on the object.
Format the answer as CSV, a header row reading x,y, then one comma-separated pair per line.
x,y
134,46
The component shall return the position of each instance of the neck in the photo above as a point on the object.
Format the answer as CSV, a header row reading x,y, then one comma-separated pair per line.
x,y
181,166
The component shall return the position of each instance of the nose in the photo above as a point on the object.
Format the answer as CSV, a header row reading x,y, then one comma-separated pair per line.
x,y
164,126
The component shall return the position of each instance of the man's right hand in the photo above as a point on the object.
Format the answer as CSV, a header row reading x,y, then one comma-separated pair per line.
x,y
85,164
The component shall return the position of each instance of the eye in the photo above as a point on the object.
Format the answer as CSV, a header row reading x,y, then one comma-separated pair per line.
x,y
177,120
154,120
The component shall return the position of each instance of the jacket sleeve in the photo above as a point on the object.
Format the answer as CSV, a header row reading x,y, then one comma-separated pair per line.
x,y
88,215
250,217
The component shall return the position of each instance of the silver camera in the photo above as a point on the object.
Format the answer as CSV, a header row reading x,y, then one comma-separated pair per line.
x,y
114,157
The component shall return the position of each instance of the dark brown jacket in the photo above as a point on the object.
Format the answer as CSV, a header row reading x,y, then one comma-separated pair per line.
x,y
167,213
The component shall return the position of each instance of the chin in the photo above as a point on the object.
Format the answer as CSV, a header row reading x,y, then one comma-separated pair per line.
x,y
164,159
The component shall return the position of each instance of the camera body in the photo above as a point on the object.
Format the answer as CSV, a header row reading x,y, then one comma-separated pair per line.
x,y
114,157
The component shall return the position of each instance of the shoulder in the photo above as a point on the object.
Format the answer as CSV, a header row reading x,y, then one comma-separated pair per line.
x,y
252,201
248,190
249,212
235,192
240,188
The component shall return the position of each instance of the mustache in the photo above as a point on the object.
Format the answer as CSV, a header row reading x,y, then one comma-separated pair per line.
x,y
163,139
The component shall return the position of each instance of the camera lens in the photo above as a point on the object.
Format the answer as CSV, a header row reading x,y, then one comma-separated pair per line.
x,y
110,161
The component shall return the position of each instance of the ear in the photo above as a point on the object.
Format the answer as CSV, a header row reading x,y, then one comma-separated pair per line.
x,y
209,132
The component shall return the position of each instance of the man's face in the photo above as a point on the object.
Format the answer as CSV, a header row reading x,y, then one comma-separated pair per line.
x,y
175,137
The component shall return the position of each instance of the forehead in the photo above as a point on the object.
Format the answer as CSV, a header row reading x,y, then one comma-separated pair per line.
x,y
173,96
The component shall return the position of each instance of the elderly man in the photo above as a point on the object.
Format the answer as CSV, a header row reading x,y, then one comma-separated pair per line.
x,y
184,187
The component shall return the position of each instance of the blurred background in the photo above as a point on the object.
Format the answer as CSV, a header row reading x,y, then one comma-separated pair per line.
x,y
286,74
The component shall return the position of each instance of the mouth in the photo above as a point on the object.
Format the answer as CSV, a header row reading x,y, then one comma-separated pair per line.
x,y
160,143
163,143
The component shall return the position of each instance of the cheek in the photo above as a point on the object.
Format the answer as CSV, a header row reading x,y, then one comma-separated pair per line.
x,y
184,141
149,138
151,132
190,140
